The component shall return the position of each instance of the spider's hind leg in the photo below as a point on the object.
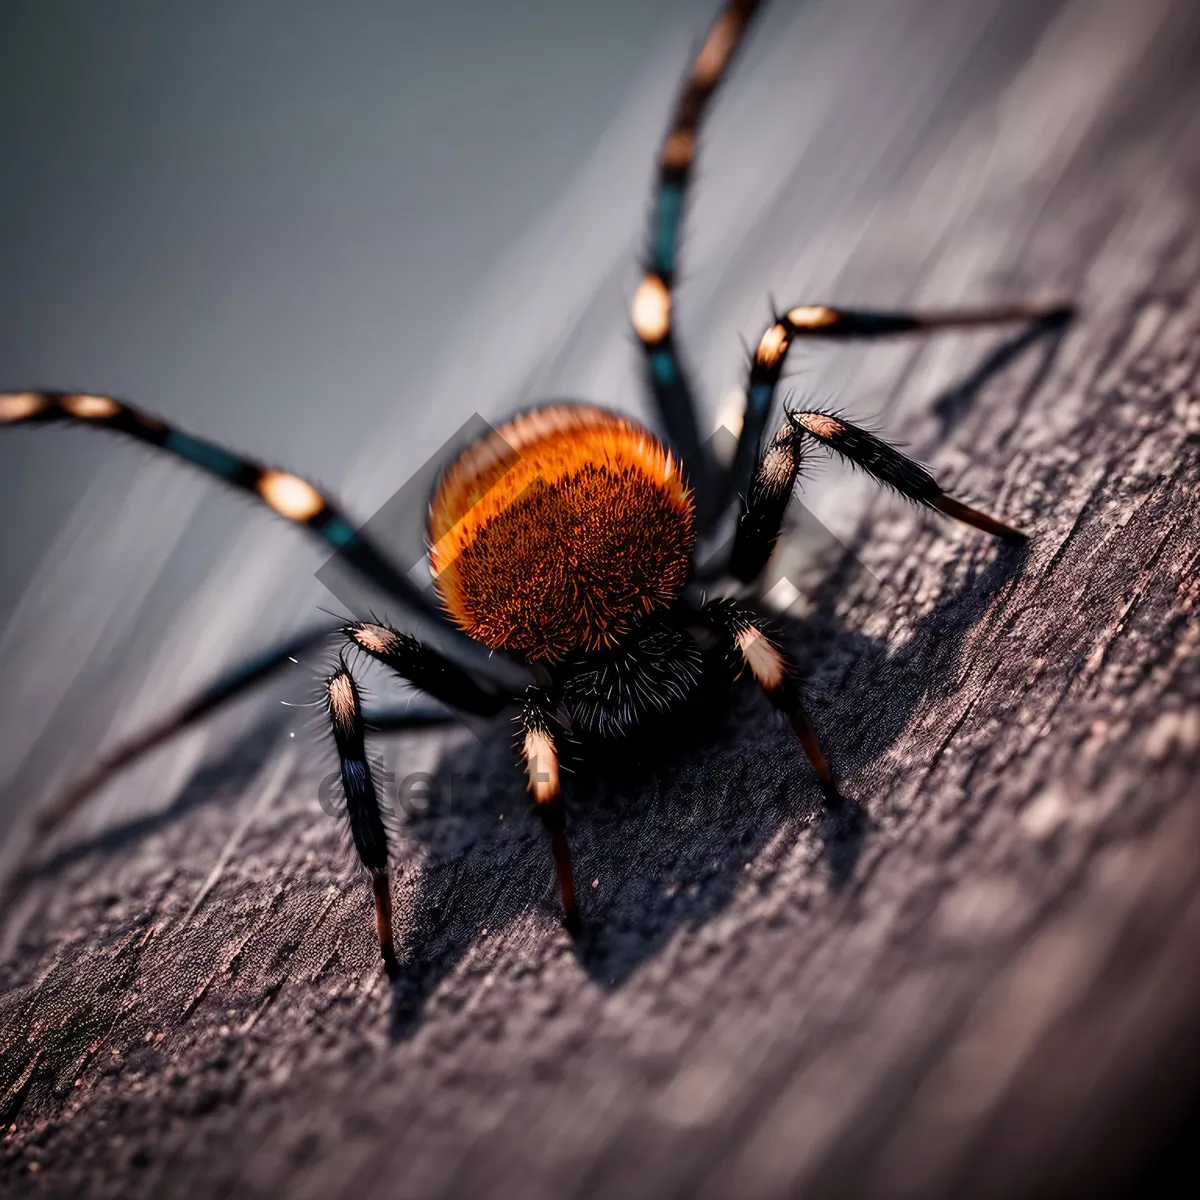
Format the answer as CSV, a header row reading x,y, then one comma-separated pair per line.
x,y
362,800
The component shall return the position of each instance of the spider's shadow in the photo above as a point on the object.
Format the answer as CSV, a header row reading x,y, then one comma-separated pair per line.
x,y
666,846
661,848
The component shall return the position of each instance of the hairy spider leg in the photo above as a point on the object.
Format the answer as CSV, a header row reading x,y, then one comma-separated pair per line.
x,y
771,488
540,754
844,324
752,648
219,692
426,671
415,663
288,495
399,720
768,489
362,801
652,302
766,504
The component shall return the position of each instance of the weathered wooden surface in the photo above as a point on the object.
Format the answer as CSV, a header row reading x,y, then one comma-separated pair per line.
x,y
986,981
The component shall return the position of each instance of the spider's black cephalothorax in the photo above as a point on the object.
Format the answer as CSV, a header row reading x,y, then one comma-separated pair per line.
x,y
562,545
644,688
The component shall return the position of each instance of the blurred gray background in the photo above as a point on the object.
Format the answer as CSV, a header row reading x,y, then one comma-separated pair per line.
x,y
327,237
264,220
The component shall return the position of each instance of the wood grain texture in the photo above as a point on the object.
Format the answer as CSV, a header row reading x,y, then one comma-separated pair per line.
x,y
981,979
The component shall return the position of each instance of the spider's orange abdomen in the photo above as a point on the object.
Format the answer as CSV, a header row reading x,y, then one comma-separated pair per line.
x,y
558,531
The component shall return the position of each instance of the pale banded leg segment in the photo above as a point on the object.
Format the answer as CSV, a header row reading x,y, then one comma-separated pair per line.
x,y
362,801
424,669
753,650
860,447
540,755
283,493
652,302
766,504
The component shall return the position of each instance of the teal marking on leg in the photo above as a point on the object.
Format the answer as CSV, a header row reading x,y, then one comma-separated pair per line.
x,y
760,398
203,454
338,533
662,363
670,207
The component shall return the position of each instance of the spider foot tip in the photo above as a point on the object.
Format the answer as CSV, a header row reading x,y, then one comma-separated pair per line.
x,y
391,965
833,798
1056,316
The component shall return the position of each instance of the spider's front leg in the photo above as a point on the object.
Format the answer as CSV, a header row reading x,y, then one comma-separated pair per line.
x,y
751,648
362,800
768,488
820,321
541,766
871,453
775,478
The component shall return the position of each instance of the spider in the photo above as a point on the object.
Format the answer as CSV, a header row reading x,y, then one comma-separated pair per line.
x,y
566,546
